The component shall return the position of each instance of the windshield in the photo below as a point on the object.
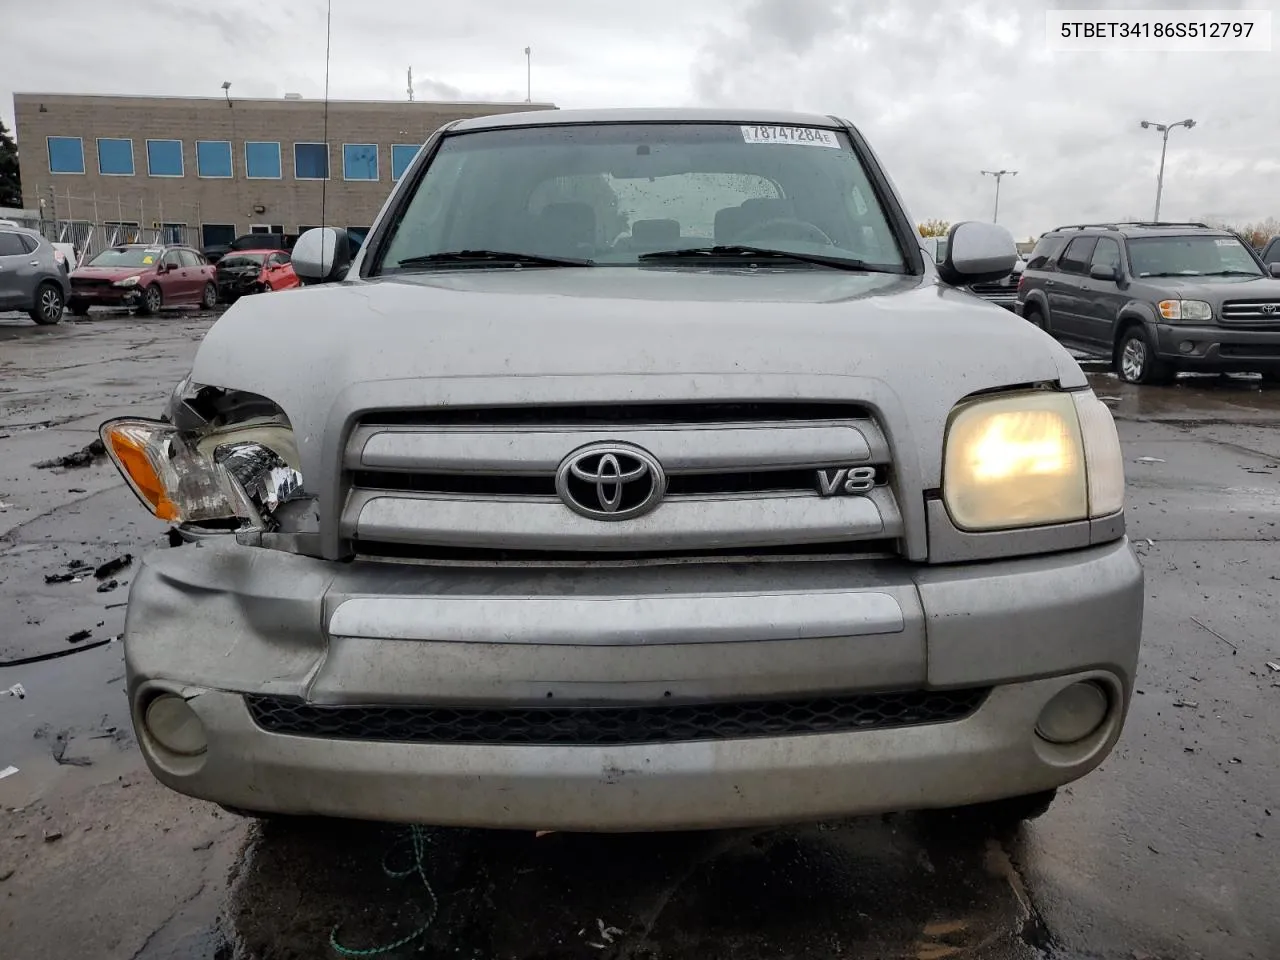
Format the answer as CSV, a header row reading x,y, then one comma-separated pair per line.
x,y
243,260
127,257
1192,256
610,193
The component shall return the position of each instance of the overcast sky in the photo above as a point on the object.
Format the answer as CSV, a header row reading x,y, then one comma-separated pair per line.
x,y
943,88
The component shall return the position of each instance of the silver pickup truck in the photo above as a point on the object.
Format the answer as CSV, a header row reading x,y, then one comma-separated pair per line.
x,y
639,472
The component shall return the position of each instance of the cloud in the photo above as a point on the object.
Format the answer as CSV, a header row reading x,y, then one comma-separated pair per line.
x,y
942,90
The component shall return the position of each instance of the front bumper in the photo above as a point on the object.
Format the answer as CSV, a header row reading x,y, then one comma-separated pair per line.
x,y
106,296
1218,348
215,621
234,286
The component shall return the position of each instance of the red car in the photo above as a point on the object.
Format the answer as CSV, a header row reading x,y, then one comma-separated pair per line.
x,y
146,276
242,272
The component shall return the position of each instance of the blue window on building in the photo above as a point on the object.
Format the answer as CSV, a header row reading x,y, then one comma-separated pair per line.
x,y
115,157
262,160
66,155
164,158
402,155
360,161
213,158
311,161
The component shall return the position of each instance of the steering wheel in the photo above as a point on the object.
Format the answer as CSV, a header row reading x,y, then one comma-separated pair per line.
x,y
784,228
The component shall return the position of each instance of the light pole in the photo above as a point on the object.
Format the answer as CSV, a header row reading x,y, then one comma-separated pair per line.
x,y
1164,129
998,174
528,74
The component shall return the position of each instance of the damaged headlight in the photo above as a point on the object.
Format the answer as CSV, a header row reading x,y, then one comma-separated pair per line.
x,y
242,472
1027,459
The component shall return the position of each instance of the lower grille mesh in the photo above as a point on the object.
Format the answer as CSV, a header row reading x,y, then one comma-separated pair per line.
x,y
610,725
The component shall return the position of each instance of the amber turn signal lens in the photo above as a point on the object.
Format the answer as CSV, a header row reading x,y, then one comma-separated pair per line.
x,y
130,447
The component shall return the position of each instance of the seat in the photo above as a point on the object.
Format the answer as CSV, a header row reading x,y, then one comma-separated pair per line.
x,y
565,229
655,233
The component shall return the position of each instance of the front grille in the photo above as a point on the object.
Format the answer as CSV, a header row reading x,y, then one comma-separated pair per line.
x,y
516,485
619,413
1251,311
738,476
613,725
80,284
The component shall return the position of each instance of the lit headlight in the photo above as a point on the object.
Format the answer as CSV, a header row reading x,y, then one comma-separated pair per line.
x,y
243,472
126,282
1185,311
1030,459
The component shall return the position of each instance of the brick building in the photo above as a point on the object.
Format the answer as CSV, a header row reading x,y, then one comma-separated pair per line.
x,y
205,169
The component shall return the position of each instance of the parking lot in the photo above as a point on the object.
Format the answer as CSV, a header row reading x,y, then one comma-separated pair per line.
x,y
1168,851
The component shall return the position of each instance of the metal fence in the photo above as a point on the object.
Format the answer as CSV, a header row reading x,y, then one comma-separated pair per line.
x,y
92,224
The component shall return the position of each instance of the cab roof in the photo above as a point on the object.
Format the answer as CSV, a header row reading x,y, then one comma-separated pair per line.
x,y
545,118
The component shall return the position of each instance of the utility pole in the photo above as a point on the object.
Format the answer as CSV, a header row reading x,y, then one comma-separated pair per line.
x,y
1163,129
528,68
410,89
998,174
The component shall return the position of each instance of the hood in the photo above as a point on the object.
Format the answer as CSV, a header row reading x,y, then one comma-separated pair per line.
x,y
108,273
1217,288
908,347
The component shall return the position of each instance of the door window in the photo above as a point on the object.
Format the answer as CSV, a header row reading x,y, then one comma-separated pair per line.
x,y
190,258
1075,259
1106,254
11,245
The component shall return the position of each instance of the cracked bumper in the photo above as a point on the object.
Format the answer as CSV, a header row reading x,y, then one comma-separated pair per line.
x,y
216,621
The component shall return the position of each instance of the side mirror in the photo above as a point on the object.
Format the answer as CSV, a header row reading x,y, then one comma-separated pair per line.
x,y
170,267
978,253
322,255
1275,269
1101,271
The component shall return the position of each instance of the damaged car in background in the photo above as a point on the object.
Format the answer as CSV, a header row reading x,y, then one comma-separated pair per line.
x,y
247,272
640,472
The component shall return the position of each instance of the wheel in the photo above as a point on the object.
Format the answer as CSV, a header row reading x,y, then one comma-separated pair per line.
x,y
48,308
152,300
78,308
1136,360
210,298
1034,317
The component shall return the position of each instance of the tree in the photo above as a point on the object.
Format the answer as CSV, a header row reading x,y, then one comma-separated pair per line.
x,y
1254,234
10,183
934,228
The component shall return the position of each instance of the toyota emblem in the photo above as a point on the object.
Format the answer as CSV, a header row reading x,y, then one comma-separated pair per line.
x,y
1267,308
611,481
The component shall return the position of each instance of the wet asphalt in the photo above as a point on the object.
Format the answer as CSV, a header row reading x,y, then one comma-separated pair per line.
x,y
1168,851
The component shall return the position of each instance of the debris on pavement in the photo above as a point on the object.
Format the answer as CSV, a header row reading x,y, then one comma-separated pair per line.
x,y
41,657
17,690
8,771
1149,460
113,566
1186,703
52,835
108,585
1273,666
61,741
79,635
81,458
76,571
6,874
1208,629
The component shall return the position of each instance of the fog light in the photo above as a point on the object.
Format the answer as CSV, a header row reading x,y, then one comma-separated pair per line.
x,y
175,726
1186,346
1073,713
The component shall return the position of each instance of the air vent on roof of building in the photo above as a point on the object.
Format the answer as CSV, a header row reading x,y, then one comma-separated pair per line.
x,y
293,96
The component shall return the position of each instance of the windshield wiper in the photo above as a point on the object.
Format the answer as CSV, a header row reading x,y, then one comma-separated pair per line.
x,y
493,257
739,251
1232,273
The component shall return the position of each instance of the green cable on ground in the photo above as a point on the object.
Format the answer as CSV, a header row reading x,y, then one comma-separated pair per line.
x,y
418,843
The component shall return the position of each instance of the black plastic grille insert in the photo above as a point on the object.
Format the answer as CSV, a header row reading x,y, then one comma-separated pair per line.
x,y
606,725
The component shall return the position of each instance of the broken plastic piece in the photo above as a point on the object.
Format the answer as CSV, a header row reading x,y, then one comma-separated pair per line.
x,y
8,772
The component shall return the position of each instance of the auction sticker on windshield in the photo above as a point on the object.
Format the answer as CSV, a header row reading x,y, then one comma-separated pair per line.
x,y
806,136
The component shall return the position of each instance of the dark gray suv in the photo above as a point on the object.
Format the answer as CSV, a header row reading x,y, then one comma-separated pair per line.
x,y
1157,298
